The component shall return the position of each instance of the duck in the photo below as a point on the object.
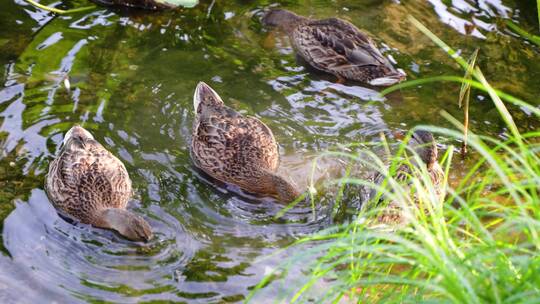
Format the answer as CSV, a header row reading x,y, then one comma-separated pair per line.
x,y
335,46
155,5
236,149
88,183
423,144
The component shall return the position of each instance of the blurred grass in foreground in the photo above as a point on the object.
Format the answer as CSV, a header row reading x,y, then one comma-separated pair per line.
x,y
479,244
538,10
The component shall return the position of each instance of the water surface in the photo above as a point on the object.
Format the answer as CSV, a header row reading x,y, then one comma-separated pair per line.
x,y
132,76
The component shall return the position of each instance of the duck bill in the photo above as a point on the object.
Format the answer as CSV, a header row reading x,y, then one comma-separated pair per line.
x,y
77,132
205,94
389,80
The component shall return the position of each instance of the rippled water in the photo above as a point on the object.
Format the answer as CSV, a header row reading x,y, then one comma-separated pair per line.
x,y
132,76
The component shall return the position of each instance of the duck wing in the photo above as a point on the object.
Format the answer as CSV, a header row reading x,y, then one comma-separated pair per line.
x,y
231,147
336,45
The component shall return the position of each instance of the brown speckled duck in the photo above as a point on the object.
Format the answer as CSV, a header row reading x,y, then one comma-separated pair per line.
x,y
337,47
236,149
147,4
87,182
424,145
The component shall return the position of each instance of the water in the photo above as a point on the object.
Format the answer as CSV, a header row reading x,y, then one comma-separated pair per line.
x,y
132,76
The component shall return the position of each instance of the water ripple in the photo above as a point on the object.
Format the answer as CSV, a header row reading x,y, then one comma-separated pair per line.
x,y
84,260
132,77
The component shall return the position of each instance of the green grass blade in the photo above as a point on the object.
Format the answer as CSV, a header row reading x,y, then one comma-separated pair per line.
x,y
474,245
465,87
439,42
477,74
464,95
523,33
59,11
499,104
538,9
477,85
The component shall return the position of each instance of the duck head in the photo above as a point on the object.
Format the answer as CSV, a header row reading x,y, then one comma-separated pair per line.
x,y
383,73
283,19
423,143
388,76
128,224
285,191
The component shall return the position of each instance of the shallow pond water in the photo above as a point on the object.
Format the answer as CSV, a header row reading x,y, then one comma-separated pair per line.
x,y
132,76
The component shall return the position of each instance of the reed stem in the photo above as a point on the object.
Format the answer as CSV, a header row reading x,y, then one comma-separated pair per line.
x,y
59,11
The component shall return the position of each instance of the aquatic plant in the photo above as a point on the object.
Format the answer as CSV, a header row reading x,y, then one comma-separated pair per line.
x,y
57,10
477,245
523,33
185,3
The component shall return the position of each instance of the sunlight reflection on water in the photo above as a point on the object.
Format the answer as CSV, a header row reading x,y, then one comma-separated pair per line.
x,y
450,14
131,79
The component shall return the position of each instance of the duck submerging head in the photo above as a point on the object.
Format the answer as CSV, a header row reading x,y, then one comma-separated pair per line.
x,y
128,224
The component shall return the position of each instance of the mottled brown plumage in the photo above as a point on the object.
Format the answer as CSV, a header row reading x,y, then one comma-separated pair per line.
x,y
87,182
336,46
144,4
424,145
236,149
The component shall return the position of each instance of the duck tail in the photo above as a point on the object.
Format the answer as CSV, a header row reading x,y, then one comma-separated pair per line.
x,y
77,132
283,19
205,95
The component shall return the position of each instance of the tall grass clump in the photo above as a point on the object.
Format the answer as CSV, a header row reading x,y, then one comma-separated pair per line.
x,y
538,11
478,242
